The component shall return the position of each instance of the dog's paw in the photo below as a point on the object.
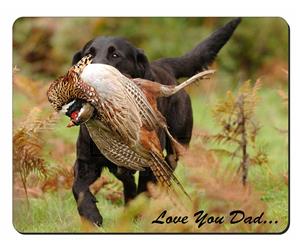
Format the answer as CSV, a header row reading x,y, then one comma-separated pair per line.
x,y
90,224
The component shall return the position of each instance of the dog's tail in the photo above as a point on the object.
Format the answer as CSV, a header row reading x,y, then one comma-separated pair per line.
x,y
202,55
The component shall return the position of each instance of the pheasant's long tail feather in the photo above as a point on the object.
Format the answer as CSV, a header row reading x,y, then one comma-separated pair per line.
x,y
164,174
177,147
171,90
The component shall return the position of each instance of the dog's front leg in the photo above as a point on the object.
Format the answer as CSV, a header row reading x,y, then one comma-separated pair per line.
x,y
85,175
87,169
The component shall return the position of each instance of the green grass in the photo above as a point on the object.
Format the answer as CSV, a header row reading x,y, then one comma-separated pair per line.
x,y
57,212
54,212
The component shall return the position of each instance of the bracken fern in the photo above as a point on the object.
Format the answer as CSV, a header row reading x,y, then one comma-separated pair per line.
x,y
27,146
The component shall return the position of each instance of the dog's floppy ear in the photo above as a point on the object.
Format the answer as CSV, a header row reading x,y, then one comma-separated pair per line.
x,y
79,54
76,57
143,65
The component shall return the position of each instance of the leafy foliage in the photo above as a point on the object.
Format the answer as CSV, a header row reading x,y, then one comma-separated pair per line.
x,y
45,51
235,115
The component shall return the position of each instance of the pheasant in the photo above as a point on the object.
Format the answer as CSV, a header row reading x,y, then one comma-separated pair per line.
x,y
120,114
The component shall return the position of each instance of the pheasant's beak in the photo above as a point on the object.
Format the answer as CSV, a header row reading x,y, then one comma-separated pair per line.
x,y
71,124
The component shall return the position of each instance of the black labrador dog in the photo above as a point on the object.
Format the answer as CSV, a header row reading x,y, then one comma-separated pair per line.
x,y
177,110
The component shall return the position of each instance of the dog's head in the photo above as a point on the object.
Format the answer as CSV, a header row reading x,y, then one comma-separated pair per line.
x,y
119,53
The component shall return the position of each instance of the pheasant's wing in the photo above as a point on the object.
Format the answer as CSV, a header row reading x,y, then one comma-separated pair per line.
x,y
113,149
135,158
150,118
111,100
122,117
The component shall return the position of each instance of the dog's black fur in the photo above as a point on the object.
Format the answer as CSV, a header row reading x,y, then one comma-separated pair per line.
x,y
177,109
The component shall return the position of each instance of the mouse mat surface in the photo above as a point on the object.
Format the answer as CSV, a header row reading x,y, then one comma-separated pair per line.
x,y
151,125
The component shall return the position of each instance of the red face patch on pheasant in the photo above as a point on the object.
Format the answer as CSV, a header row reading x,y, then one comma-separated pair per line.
x,y
74,115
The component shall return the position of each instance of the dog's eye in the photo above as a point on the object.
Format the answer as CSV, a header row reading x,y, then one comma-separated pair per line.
x,y
115,55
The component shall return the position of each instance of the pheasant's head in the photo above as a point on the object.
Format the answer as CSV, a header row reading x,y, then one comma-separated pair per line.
x,y
79,112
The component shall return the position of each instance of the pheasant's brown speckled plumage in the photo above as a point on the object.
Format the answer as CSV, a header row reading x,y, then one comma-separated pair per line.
x,y
65,88
125,128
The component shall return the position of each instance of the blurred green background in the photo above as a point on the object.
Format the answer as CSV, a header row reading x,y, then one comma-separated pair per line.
x,y
43,49
45,46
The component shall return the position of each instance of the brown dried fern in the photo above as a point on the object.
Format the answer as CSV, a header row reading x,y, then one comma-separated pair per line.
x,y
27,147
